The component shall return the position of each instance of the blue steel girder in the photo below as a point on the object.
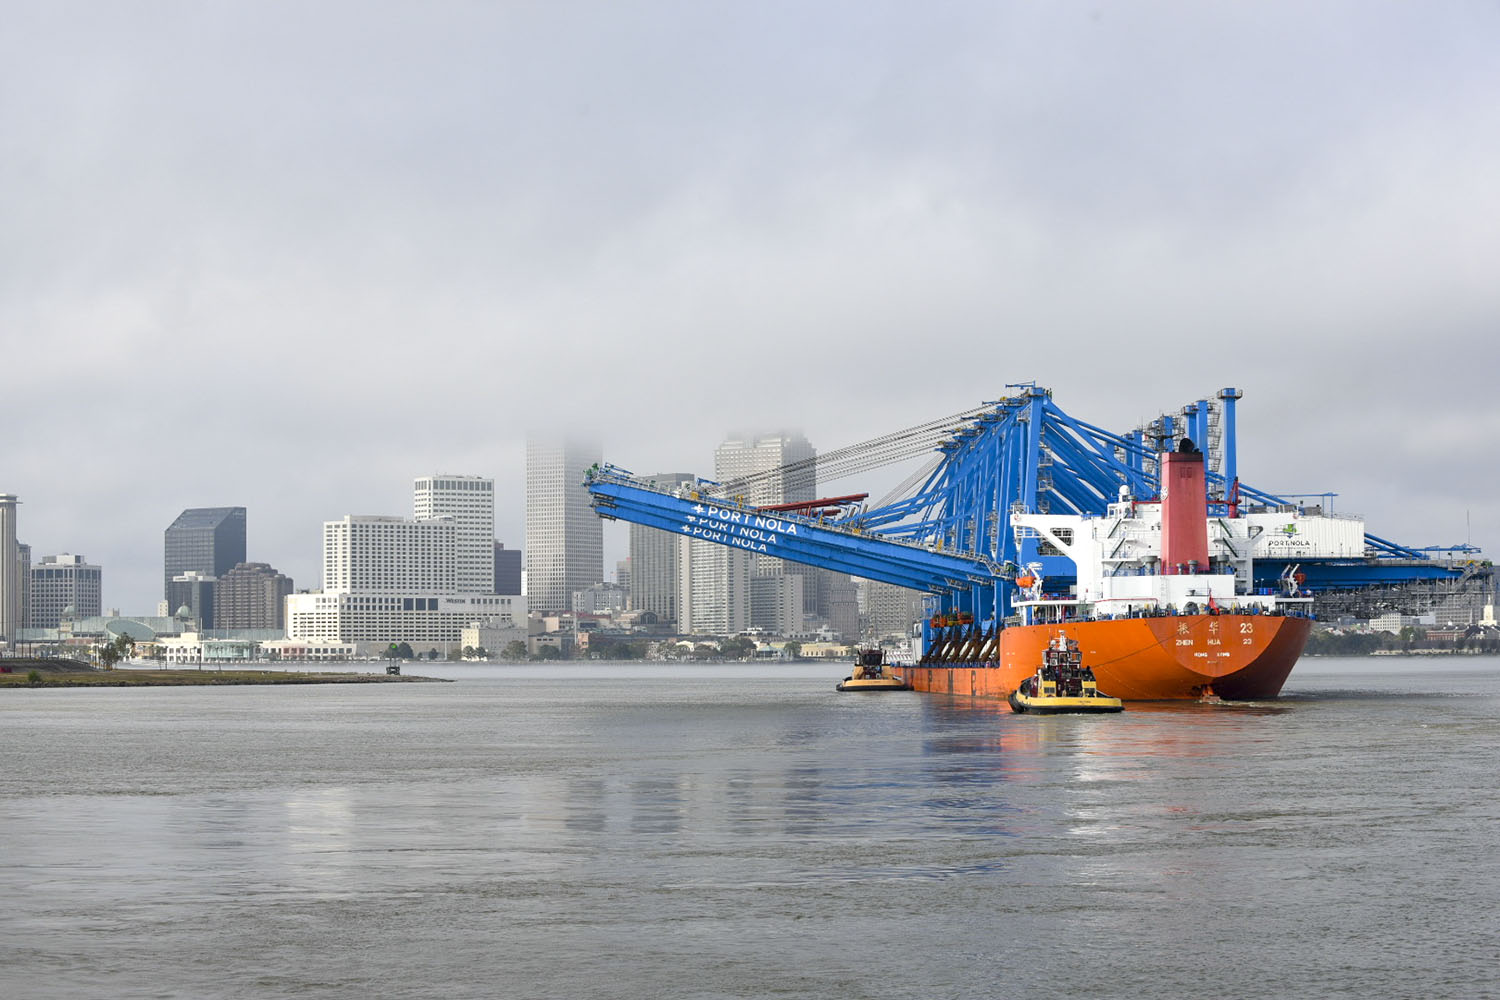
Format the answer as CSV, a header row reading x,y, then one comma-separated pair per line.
x,y
1391,549
796,539
1132,473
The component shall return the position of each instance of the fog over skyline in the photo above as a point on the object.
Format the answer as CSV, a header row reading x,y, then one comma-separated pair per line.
x,y
292,257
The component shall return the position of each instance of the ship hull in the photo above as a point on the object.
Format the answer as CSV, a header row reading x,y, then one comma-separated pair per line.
x,y
1236,657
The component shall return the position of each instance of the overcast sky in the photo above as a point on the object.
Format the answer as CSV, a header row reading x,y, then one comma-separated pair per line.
x,y
292,256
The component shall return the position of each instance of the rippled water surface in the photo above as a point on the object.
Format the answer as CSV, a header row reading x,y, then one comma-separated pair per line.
x,y
641,831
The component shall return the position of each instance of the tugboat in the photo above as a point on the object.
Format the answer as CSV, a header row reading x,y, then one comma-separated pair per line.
x,y
872,673
1063,684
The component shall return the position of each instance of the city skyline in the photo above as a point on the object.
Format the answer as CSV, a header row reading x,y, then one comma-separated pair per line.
x,y
541,223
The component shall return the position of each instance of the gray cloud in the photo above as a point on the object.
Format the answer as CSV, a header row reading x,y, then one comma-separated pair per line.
x,y
294,257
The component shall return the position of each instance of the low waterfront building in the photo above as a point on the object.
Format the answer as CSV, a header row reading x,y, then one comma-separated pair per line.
x,y
373,621
600,599
1395,622
194,648
563,642
491,639
305,649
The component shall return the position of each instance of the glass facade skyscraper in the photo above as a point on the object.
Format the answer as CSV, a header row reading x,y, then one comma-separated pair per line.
x,y
207,540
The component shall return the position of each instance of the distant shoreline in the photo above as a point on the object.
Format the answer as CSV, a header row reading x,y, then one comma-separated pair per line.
x,y
1405,652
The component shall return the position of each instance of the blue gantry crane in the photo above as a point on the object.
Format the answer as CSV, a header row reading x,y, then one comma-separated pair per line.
x,y
947,530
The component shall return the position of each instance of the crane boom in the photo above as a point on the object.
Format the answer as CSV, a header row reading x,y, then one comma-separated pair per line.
x,y
788,536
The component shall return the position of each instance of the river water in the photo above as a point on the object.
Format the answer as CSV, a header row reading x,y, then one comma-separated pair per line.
x,y
744,831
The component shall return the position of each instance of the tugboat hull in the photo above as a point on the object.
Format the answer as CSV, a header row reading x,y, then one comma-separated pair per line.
x,y
890,683
1042,705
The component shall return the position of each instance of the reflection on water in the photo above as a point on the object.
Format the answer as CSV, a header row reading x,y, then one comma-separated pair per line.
x,y
640,832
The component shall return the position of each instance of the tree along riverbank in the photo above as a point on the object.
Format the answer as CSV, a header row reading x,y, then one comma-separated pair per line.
x,y
1484,642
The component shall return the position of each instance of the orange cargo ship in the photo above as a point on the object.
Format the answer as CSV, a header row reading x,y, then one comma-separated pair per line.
x,y
1239,657
1162,607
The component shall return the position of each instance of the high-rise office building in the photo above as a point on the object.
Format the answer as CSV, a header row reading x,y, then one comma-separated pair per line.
x,y
776,603
469,501
10,570
206,540
564,538
252,595
655,555
191,595
23,573
765,457
838,604
888,609
507,569
775,468
59,583
713,589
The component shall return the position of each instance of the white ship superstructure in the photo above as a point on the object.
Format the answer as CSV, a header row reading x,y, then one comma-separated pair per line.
x,y
1119,567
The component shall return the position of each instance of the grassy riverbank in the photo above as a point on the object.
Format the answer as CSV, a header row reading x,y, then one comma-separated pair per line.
x,y
48,673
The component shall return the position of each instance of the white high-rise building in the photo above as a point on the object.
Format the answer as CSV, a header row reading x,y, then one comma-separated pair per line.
x,y
389,555
564,537
469,501
10,570
389,580
713,595
61,583
655,556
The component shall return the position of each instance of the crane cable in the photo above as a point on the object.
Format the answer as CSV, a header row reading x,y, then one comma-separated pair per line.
x,y
840,463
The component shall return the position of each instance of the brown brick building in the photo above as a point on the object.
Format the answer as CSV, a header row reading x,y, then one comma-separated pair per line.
x,y
252,595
